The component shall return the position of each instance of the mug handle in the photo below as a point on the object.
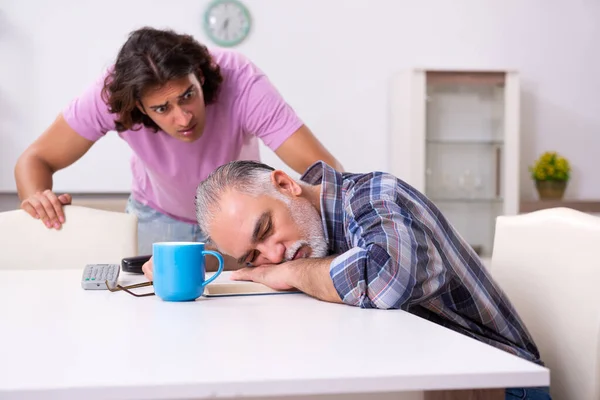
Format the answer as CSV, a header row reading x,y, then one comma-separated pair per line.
x,y
221,265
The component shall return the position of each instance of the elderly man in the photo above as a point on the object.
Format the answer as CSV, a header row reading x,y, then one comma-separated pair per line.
x,y
368,240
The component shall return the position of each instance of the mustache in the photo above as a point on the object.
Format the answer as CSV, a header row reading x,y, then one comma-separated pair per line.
x,y
291,251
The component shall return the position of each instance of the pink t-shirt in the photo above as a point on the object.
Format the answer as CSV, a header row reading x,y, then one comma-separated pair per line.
x,y
167,171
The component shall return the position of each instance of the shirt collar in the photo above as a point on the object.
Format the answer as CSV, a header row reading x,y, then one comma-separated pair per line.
x,y
332,209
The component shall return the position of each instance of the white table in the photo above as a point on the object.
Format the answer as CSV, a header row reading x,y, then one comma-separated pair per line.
x,y
60,341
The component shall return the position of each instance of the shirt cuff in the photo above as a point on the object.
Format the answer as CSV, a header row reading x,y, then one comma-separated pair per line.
x,y
348,276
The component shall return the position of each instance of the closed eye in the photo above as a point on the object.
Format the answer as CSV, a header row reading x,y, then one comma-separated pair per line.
x,y
267,231
253,256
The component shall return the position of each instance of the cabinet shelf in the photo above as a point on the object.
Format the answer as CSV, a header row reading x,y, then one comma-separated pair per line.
x,y
587,206
467,199
465,142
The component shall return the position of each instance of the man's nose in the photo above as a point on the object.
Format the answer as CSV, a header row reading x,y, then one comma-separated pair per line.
x,y
274,253
183,117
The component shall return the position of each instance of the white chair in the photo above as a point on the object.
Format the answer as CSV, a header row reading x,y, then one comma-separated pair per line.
x,y
88,236
548,263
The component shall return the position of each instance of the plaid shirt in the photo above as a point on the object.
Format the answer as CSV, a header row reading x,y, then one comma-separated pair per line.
x,y
396,250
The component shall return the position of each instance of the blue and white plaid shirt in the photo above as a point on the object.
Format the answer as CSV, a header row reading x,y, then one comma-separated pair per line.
x,y
396,250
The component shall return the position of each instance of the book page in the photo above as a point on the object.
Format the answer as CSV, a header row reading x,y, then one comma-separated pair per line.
x,y
223,286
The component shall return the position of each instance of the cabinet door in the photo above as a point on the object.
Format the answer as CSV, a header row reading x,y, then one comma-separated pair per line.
x,y
407,128
455,138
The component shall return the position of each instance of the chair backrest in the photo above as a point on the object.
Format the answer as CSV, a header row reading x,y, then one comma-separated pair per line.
x,y
548,263
88,236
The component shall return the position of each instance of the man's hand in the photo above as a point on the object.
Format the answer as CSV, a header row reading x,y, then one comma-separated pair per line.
x,y
147,269
274,276
309,275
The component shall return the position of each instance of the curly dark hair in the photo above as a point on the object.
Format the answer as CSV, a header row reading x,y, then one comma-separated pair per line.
x,y
149,58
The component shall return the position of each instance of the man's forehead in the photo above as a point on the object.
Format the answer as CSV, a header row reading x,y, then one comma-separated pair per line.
x,y
235,222
233,200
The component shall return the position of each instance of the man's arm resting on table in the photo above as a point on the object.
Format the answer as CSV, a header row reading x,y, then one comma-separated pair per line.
x,y
309,275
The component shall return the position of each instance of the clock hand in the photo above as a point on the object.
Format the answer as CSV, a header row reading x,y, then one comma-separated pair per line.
x,y
225,24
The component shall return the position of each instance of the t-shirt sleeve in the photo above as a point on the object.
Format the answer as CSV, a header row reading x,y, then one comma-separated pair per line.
x,y
88,114
265,113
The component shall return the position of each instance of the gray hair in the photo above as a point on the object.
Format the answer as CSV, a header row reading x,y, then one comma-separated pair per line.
x,y
250,177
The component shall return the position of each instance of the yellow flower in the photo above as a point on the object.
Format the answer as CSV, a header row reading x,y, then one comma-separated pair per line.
x,y
540,176
550,166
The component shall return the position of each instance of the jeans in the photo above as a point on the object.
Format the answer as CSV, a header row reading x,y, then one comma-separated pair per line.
x,y
533,393
154,226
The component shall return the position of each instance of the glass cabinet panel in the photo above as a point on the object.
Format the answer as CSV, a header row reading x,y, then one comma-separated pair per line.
x,y
464,150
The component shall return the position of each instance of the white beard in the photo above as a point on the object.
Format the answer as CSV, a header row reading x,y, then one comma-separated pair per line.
x,y
308,219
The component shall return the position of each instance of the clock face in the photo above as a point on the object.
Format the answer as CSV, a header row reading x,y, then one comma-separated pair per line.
x,y
227,22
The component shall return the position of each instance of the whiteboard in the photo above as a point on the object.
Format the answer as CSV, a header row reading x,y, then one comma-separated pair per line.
x,y
49,65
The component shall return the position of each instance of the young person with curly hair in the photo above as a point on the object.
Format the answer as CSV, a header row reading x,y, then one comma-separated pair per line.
x,y
184,110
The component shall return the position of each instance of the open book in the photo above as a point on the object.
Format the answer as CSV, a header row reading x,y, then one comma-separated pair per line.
x,y
223,286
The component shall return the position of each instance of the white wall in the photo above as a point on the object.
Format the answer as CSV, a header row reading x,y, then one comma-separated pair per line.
x,y
332,60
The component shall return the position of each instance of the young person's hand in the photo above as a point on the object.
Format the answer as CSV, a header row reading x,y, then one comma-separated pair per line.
x,y
48,207
147,269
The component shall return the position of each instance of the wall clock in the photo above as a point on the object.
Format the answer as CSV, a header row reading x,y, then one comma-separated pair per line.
x,y
227,22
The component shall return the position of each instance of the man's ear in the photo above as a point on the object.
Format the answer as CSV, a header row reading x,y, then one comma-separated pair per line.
x,y
284,183
140,107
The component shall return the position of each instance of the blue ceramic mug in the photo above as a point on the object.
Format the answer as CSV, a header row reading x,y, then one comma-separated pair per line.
x,y
179,270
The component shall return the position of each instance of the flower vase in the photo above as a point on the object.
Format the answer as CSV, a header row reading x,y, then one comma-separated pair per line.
x,y
551,190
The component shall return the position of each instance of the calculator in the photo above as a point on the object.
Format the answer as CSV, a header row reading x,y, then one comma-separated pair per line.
x,y
95,276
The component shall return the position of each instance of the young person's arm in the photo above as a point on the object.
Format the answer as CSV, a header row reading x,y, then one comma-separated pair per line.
x,y
267,115
57,148
302,149
85,120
